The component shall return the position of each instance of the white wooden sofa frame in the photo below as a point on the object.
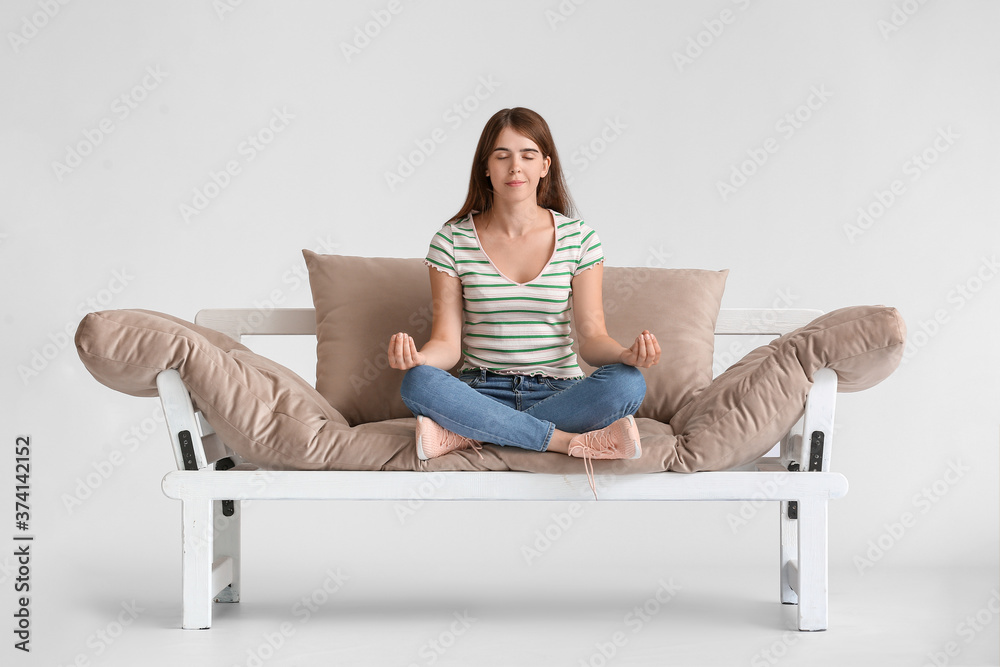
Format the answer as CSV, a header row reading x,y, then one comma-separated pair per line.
x,y
210,483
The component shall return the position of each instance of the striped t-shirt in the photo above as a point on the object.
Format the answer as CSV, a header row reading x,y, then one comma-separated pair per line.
x,y
510,327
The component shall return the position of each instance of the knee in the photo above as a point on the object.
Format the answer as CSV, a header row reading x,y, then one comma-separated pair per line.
x,y
627,382
415,380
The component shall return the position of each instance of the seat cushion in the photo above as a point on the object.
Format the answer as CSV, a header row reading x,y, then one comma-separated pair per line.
x,y
361,302
274,419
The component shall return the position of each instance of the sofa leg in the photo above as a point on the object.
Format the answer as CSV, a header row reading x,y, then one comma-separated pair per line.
x,y
196,563
789,533
813,564
227,545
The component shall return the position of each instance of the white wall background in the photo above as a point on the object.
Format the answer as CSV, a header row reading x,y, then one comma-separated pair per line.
x,y
646,138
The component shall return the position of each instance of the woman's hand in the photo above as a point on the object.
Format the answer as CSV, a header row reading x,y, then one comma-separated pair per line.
x,y
403,352
645,351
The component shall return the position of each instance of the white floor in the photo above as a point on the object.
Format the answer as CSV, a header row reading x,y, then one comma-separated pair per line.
x,y
458,614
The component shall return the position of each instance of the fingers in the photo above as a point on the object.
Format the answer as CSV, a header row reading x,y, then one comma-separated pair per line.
x,y
401,351
646,350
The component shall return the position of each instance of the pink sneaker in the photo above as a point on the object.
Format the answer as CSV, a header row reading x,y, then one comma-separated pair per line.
x,y
434,440
620,440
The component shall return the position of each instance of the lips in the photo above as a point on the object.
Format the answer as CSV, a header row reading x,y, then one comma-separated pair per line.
x,y
514,184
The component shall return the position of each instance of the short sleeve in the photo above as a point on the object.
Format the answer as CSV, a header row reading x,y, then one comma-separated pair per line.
x,y
441,253
591,253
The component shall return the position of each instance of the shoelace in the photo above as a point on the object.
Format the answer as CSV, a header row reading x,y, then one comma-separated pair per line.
x,y
453,442
594,442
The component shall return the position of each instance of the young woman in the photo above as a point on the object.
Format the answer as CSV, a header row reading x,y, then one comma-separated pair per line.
x,y
505,273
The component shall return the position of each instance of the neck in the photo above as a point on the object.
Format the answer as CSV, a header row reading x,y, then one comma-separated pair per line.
x,y
514,218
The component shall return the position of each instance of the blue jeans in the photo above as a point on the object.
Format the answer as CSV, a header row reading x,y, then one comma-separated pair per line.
x,y
522,410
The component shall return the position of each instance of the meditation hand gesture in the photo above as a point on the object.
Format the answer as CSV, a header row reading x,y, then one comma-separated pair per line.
x,y
645,351
403,352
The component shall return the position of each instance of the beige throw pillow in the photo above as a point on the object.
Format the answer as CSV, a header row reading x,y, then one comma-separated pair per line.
x,y
360,302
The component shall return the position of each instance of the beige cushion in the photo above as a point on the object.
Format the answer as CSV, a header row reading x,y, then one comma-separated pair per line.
x,y
274,419
680,306
755,402
360,302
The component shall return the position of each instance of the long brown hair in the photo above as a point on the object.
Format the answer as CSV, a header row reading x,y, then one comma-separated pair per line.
x,y
552,191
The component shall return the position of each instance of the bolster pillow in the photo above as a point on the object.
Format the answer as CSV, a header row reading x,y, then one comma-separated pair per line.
x,y
750,406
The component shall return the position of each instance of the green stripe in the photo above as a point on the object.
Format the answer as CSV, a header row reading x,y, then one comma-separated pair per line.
x,y
465,247
516,310
508,285
599,259
468,236
450,256
499,336
490,275
472,261
527,363
576,233
584,240
444,237
519,298
562,273
527,349
566,224
472,324
443,266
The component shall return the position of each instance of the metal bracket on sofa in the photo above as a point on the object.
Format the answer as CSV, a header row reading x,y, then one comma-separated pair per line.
x,y
793,505
228,506
816,451
194,441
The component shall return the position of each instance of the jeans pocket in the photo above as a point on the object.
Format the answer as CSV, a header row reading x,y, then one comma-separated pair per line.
x,y
556,384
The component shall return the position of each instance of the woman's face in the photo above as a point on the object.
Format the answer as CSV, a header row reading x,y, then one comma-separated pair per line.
x,y
516,166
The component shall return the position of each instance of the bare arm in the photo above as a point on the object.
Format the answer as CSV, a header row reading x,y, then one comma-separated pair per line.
x,y
444,349
597,348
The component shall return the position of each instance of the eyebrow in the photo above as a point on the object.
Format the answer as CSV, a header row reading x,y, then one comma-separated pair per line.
x,y
501,148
